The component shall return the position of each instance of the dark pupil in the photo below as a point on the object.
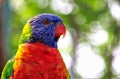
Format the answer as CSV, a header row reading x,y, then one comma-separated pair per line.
x,y
45,22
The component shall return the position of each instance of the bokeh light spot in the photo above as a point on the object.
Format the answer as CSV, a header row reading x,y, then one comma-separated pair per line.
x,y
115,9
65,47
98,36
89,65
116,60
16,5
62,6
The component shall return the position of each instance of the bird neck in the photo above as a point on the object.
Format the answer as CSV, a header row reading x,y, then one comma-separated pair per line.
x,y
50,42
37,49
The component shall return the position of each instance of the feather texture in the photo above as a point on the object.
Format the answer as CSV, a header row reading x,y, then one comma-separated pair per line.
x,y
8,69
30,63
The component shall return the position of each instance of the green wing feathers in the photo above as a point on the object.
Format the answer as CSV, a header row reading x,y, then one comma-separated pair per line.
x,y
7,71
69,76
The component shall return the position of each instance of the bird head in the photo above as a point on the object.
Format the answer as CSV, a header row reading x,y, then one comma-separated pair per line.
x,y
44,28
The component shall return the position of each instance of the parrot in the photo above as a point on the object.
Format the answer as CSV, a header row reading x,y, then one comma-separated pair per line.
x,y
38,56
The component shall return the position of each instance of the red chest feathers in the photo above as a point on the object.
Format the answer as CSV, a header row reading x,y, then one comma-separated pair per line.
x,y
37,61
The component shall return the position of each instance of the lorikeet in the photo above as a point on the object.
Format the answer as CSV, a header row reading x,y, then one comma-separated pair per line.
x,y
37,56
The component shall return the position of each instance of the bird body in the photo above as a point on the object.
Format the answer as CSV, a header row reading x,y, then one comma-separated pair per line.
x,y
35,64
37,56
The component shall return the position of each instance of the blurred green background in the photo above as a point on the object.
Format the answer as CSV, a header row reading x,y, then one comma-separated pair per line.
x,y
91,48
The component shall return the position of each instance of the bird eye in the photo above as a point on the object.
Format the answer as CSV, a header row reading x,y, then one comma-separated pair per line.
x,y
46,21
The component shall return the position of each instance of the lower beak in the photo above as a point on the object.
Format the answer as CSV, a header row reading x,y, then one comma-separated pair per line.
x,y
60,30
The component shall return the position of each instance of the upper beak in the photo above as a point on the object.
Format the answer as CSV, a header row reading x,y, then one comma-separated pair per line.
x,y
60,30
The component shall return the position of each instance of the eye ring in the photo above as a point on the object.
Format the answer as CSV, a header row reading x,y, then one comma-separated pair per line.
x,y
46,21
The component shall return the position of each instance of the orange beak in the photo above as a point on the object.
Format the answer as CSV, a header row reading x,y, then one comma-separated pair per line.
x,y
60,30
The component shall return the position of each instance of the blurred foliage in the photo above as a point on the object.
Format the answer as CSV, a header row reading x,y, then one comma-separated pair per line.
x,y
80,21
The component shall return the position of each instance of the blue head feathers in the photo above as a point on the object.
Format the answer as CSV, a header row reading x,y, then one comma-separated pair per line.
x,y
43,29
